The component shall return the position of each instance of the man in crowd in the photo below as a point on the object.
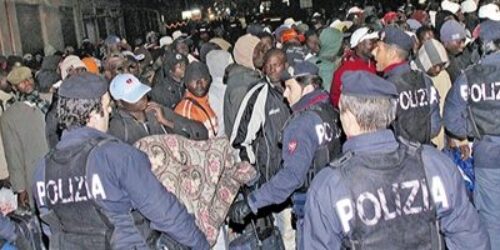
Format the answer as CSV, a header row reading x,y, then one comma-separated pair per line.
x,y
23,131
118,178
194,105
471,110
418,117
362,43
380,212
135,117
168,86
453,36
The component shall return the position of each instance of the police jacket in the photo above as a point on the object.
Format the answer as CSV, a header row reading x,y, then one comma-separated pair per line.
x,y
332,212
418,117
257,127
166,91
302,136
476,94
121,181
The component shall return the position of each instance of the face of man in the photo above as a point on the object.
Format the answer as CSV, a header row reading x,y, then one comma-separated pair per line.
x,y
274,67
179,70
182,48
366,47
313,44
26,86
435,70
140,105
455,47
382,56
427,36
293,91
198,88
101,119
133,68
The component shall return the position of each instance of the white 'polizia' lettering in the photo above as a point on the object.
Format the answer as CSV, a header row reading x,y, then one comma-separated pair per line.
x,y
404,197
74,189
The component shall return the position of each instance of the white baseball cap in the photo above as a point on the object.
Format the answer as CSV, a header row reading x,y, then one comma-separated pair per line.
x,y
450,6
355,10
468,6
128,88
362,34
165,41
490,11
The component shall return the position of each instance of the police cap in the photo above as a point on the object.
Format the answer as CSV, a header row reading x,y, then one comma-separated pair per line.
x,y
83,86
362,83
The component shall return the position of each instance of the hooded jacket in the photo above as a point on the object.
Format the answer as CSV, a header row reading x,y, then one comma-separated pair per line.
x,y
328,61
217,61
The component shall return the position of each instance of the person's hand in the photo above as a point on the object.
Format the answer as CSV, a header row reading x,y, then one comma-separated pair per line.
x,y
157,109
23,199
239,211
464,152
464,148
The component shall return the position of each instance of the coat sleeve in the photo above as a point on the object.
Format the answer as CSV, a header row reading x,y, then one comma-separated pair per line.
x,y
13,155
158,205
455,109
249,121
322,229
436,121
188,128
457,216
4,171
7,229
299,145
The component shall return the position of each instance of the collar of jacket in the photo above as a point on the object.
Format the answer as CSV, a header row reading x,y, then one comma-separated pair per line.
x,y
381,141
310,99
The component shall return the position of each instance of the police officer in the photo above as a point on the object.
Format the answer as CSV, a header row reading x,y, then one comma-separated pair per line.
x,y
310,140
88,185
384,193
418,117
472,109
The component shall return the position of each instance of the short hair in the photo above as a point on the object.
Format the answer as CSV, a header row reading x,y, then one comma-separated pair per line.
x,y
400,53
314,80
371,113
75,113
275,52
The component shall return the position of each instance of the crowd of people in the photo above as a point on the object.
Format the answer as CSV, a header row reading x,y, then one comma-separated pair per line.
x,y
372,129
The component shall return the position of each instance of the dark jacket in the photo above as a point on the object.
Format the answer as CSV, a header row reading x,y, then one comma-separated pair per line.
x,y
460,62
166,91
329,198
239,80
258,126
125,127
127,183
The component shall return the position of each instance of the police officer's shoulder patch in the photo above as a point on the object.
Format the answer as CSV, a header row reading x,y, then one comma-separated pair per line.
x,y
339,162
292,146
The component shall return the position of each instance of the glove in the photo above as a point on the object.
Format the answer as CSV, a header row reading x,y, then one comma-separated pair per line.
x,y
239,211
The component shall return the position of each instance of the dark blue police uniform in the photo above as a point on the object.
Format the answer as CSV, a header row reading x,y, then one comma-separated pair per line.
x,y
90,186
385,193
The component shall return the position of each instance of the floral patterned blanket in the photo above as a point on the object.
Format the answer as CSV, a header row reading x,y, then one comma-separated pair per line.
x,y
204,175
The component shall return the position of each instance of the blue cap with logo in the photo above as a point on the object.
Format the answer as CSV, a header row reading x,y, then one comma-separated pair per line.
x,y
395,36
304,68
362,83
128,88
83,86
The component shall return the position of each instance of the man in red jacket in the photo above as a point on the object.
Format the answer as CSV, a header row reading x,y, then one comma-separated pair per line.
x,y
362,43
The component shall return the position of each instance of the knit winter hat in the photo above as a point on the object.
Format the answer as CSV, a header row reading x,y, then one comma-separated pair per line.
x,y
217,61
243,50
430,54
196,71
